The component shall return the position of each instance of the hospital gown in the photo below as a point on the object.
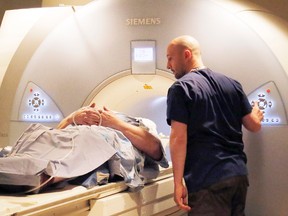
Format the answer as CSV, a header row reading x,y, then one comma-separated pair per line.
x,y
77,151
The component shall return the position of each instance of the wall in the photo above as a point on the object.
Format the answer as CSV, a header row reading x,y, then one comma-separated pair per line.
x,y
17,4
49,3
278,7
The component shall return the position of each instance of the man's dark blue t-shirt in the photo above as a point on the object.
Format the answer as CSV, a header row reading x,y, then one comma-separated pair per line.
x,y
212,105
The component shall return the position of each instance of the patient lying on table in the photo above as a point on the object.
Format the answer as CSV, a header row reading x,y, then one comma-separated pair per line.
x,y
89,147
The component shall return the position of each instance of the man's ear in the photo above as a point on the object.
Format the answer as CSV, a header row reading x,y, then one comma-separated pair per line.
x,y
187,54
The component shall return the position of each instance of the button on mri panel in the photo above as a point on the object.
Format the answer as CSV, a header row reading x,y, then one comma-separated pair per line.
x,y
270,102
37,106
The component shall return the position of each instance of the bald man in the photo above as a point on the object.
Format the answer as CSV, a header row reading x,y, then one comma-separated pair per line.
x,y
206,111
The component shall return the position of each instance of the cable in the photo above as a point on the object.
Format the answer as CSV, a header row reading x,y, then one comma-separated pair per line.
x,y
56,169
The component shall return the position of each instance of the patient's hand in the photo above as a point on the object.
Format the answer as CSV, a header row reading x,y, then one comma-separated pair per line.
x,y
108,118
89,115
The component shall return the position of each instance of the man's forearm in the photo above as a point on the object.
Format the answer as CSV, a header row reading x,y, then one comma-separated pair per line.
x,y
178,155
141,139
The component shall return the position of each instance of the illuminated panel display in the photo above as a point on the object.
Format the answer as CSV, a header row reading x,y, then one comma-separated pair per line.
x,y
144,54
143,58
37,106
270,102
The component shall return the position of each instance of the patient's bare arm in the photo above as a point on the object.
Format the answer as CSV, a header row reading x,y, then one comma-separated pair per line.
x,y
139,137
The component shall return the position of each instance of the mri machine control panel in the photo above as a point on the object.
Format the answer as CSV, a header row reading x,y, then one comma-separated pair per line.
x,y
270,102
37,106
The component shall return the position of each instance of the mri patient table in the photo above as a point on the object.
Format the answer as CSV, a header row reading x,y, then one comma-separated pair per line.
x,y
156,198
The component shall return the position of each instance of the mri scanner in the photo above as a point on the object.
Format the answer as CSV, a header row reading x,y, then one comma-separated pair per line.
x,y
56,60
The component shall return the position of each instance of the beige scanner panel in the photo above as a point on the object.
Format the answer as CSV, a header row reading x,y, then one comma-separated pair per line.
x,y
79,57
